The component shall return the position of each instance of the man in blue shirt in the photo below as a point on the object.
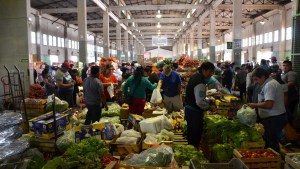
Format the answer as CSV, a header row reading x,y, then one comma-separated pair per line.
x,y
170,82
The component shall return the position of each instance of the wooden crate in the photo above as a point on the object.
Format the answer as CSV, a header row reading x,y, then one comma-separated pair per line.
x,y
34,107
179,138
263,162
118,165
290,163
147,146
125,149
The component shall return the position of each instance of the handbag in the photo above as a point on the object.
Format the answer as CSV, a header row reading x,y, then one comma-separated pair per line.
x,y
129,98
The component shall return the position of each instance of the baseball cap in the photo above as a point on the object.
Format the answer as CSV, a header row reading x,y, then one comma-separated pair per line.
x,y
273,58
66,65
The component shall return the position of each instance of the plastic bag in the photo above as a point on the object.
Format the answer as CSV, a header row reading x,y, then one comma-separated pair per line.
x,y
156,96
10,149
155,124
151,139
119,128
11,133
247,115
50,99
126,140
110,90
9,118
154,157
65,141
59,106
131,133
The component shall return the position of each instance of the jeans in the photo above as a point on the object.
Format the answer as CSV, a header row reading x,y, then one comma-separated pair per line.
x,y
194,119
93,114
273,129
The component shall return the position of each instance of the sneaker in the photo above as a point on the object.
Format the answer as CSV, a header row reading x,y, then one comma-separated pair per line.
x,y
288,145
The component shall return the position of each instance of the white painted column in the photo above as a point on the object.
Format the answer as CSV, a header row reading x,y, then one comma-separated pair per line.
x,y
119,38
66,49
253,51
131,47
106,42
192,43
212,36
82,30
282,37
126,45
237,32
199,41
38,37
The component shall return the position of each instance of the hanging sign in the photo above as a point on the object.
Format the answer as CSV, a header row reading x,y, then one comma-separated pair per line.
x,y
159,41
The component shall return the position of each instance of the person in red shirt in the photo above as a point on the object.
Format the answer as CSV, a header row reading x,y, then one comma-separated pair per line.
x,y
107,78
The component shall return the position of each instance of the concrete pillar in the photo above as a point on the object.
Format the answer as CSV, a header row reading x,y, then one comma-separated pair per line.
x,y
66,49
282,41
106,43
192,43
237,32
15,47
126,45
253,51
95,47
39,40
199,41
212,36
82,30
131,47
119,39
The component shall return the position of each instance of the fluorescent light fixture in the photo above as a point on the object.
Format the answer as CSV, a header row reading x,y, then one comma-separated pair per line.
x,y
219,40
179,30
262,22
133,24
188,15
29,19
158,15
183,23
100,4
112,15
158,32
158,25
57,27
130,32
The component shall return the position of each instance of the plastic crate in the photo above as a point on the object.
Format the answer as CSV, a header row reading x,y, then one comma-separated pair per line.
x,y
233,164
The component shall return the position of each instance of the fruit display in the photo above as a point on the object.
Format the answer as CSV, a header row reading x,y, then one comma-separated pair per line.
x,y
177,121
257,154
37,92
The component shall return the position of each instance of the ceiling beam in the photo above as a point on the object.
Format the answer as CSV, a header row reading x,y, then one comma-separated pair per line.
x,y
88,22
157,7
162,15
155,20
217,27
101,29
227,19
154,27
155,33
250,6
68,10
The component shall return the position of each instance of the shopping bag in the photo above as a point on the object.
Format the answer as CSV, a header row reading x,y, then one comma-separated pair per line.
x,y
110,90
156,96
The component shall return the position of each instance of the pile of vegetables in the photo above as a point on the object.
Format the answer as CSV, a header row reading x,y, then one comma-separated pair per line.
x,y
222,152
60,105
155,157
191,62
184,153
113,110
181,59
231,131
86,154
37,92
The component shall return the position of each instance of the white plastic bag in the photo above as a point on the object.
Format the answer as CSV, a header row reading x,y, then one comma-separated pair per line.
x,y
155,124
110,90
130,133
156,96
247,115
126,140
